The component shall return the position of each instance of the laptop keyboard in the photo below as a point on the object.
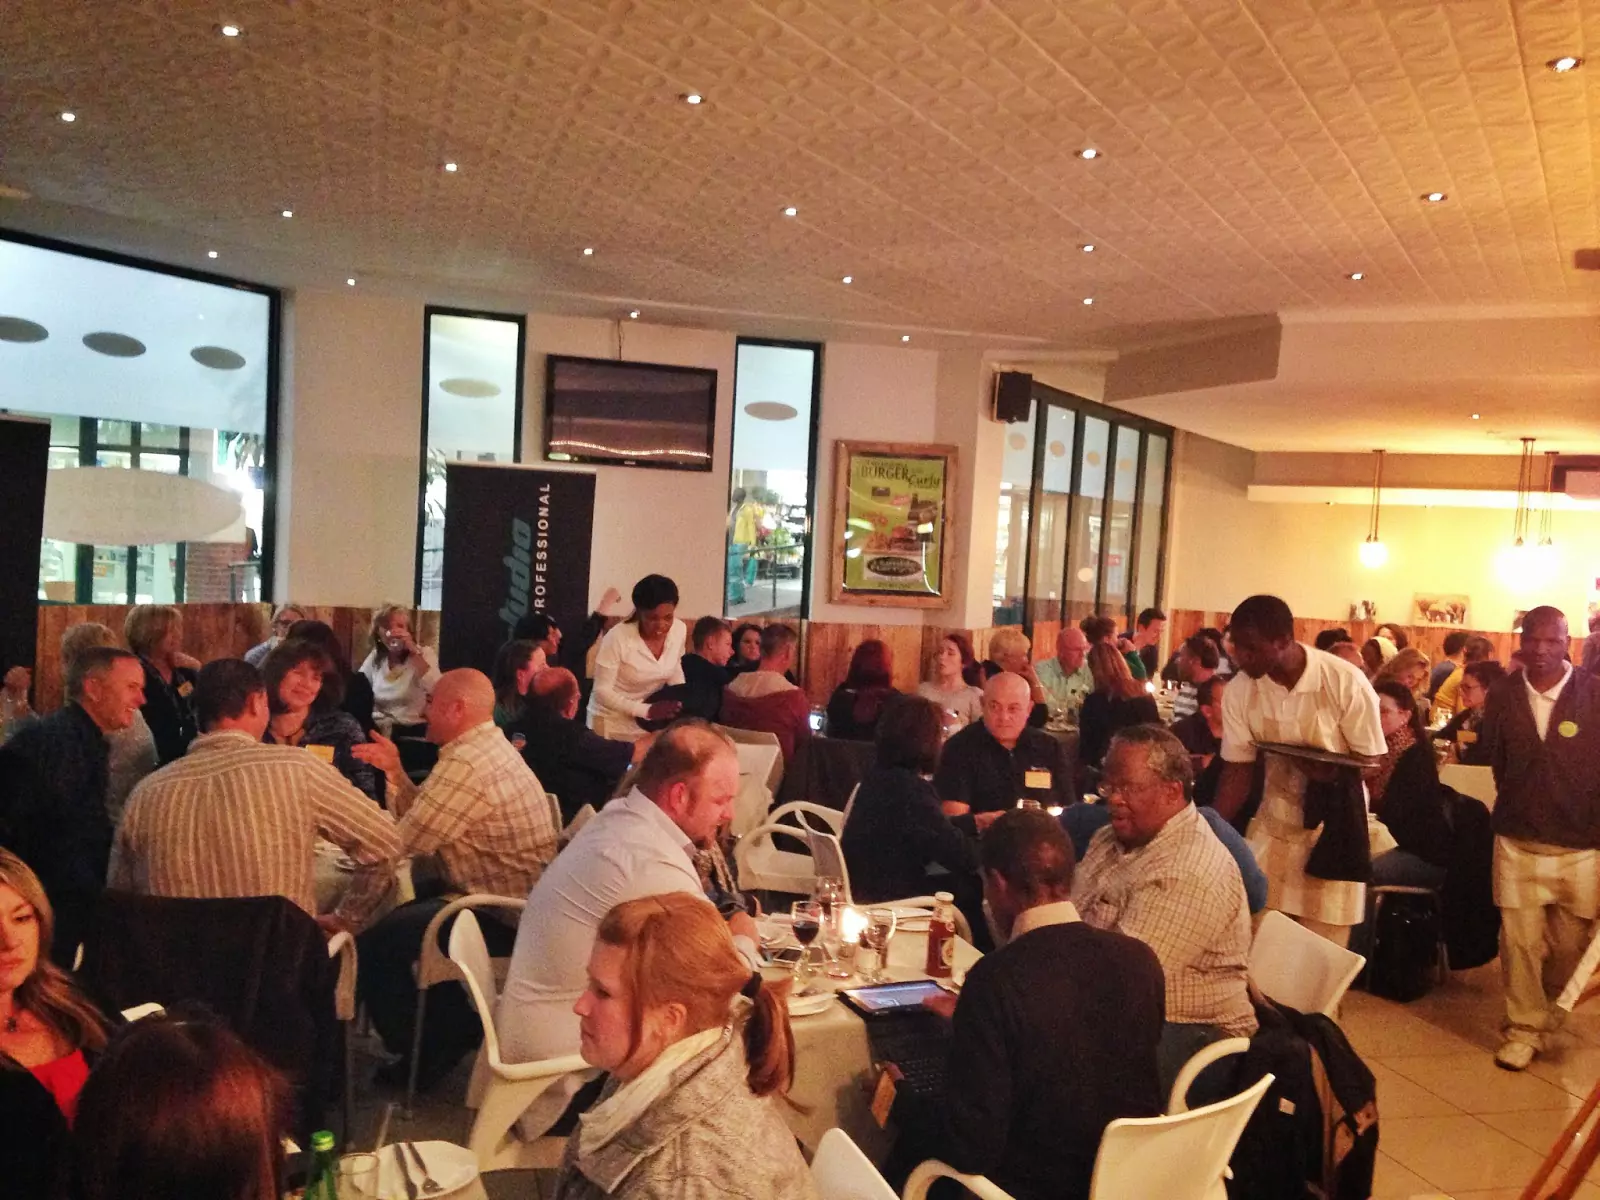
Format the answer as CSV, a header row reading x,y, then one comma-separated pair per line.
x,y
916,1042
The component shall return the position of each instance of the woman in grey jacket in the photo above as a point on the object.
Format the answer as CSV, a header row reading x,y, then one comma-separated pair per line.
x,y
697,1072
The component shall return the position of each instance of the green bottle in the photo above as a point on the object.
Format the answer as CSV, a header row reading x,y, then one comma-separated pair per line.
x,y
323,1181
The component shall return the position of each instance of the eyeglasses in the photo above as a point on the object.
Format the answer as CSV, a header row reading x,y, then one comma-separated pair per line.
x,y
1110,788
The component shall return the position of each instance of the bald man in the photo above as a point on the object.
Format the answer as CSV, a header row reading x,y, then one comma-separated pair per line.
x,y
1066,677
486,817
988,767
570,759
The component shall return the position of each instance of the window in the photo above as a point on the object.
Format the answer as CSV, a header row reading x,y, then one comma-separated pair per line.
x,y
146,369
472,412
1082,516
775,394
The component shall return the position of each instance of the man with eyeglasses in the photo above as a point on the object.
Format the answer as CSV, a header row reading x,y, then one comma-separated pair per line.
x,y
1158,873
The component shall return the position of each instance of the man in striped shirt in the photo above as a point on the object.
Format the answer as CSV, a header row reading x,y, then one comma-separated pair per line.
x,y
234,817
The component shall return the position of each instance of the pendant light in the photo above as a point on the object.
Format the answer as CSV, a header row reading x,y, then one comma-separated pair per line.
x,y
1373,552
1546,515
1519,523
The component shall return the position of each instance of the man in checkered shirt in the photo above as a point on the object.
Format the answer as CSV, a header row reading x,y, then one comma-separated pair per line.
x,y
1158,873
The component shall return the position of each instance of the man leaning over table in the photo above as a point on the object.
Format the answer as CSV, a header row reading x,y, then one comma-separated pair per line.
x,y
1055,1033
641,845
1542,728
486,817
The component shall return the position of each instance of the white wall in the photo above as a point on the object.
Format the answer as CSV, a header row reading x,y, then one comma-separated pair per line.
x,y
349,449
1226,547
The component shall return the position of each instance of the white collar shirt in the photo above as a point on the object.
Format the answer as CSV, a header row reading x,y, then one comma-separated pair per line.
x,y
1544,703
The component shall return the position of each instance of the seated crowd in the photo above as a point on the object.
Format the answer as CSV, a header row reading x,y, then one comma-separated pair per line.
x,y
1106,864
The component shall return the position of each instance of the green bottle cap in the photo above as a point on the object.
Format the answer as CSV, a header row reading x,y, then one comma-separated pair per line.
x,y
322,1139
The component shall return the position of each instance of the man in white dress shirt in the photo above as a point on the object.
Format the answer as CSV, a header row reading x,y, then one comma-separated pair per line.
x,y
640,845
1289,692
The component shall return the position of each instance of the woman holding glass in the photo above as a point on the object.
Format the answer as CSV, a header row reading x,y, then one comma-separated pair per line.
x,y
402,674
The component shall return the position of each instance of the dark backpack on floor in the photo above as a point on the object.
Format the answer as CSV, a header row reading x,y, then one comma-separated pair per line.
x,y
1405,948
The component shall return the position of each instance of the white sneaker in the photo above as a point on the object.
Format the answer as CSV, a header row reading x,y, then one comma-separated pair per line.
x,y
1514,1056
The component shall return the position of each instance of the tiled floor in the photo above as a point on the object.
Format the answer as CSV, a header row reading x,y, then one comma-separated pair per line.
x,y
1451,1123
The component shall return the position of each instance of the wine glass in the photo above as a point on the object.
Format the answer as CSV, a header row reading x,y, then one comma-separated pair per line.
x,y
875,937
807,915
833,940
828,891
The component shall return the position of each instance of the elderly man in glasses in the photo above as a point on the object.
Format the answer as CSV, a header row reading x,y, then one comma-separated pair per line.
x,y
1159,874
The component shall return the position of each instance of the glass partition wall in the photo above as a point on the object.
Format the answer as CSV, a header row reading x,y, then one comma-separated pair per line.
x,y
1082,521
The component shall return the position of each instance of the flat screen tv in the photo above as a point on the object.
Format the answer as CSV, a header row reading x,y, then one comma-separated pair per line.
x,y
599,410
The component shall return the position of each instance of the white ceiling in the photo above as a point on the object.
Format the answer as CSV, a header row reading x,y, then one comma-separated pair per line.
x,y
1254,153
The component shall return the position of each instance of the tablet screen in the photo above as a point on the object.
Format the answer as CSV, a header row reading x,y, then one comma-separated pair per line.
x,y
886,997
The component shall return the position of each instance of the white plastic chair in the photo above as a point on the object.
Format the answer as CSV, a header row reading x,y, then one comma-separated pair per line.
x,y
1178,1100
828,854
762,866
1177,1157
555,812
927,903
921,1179
841,1172
849,806
579,820
1299,968
756,737
140,1011
434,967
501,1091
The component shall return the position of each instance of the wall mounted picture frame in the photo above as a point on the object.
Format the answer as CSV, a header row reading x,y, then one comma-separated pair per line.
x,y
1435,608
890,539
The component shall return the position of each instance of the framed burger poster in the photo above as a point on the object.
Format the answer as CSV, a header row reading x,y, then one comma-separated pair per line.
x,y
890,508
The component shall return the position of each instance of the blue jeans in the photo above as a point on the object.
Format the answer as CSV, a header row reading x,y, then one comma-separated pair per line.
x,y
1395,868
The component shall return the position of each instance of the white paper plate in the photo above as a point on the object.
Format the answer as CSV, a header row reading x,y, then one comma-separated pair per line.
x,y
452,1167
810,1006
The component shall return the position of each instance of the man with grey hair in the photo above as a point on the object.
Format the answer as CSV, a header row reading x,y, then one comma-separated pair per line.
x,y
1159,874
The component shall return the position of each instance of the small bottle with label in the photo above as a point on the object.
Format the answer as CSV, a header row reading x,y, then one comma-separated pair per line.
x,y
942,937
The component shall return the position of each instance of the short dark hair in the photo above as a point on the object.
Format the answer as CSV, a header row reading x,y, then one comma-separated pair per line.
x,y
1329,638
652,592
285,657
1266,616
1097,629
705,629
680,753
223,690
91,663
738,634
775,638
1031,852
1455,642
1488,672
1478,649
533,627
1203,650
1164,754
320,633
1545,613
1149,615
1404,700
910,732
1205,693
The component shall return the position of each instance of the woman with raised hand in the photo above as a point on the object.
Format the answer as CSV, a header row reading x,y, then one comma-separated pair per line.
x,y
637,658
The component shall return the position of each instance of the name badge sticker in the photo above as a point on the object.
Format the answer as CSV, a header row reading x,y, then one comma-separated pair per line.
x,y
185,688
1035,778
325,753
1567,729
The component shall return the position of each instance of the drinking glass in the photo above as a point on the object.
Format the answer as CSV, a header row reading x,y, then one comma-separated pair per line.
x,y
875,937
358,1176
807,915
832,940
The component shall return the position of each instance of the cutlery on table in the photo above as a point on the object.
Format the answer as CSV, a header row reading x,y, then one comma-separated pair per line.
x,y
430,1186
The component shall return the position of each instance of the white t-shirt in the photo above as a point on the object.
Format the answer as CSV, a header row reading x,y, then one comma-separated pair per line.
x,y
626,671
400,693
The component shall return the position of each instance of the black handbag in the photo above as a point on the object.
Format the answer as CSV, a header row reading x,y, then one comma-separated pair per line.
x,y
1405,952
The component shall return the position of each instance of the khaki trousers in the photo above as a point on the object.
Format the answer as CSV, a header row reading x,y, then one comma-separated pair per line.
x,y
1539,949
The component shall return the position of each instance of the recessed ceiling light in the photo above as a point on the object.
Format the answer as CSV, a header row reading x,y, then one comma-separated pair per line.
x,y
1475,417
211,253
1567,62
905,337
633,315
1087,248
849,279
351,282
451,167
230,31
1435,197
1358,276
1088,299
588,251
791,211
287,213
69,117
692,97
1088,152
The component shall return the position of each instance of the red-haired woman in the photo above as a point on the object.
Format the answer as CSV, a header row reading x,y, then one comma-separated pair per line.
x,y
1118,701
695,1070
855,705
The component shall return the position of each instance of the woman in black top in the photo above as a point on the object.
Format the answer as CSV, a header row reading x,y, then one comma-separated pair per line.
x,y
343,687
1404,794
1461,731
1117,702
746,649
897,829
856,704
155,633
305,713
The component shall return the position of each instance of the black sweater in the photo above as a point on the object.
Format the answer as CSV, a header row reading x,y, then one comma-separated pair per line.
x,y
1055,1036
895,830
1546,791
1412,806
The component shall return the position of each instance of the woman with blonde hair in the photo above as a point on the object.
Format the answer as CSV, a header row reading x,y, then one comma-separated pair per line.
x,y
48,1032
402,674
1117,702
155,633
1408,667
1010,650
698,1050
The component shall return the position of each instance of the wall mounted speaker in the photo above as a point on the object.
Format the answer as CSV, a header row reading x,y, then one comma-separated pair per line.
x,y
1013,396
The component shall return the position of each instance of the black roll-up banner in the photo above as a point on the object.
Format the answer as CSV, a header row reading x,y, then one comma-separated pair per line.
x,y
24,461
516,540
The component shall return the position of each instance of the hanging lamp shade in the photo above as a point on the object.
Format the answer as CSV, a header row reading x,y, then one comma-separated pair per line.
x,y
115,506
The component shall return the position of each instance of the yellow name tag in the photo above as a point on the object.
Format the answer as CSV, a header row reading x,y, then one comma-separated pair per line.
x,y
185,688
1466,737
325,753
1035,779
883,1096
1567,729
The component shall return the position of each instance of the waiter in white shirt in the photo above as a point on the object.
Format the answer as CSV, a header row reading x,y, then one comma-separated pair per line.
x,y
640,845
1286,691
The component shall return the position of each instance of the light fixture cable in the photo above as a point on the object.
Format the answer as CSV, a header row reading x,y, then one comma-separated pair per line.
x,y
1547,517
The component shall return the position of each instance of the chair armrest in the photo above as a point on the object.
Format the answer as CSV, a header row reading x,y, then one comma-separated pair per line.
x,y
140,1011
1178,1100
433,964
543,1068
342,946
921,1179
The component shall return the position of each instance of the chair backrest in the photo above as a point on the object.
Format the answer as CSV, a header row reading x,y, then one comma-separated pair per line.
x,y
1477,782
579,820
1299,968
841,1172
471,956
828,855
555,811
1180,1157
849,805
